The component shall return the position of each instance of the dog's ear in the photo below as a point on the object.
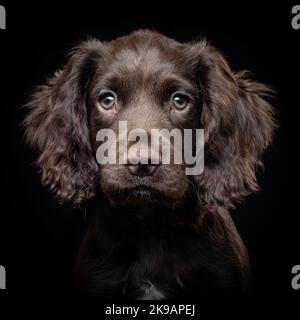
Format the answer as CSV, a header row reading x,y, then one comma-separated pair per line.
x,y
238,122
56,125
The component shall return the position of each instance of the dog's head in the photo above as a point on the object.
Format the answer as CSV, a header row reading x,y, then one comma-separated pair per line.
x,y
151,82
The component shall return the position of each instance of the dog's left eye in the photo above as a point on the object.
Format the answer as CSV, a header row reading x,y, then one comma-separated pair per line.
x,y
180,101
107,100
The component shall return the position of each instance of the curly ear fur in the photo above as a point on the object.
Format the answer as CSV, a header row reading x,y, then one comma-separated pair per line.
x,y
237,118
238,123
57,126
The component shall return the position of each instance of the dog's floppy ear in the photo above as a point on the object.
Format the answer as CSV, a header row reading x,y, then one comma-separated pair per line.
x,y
56,125
238,122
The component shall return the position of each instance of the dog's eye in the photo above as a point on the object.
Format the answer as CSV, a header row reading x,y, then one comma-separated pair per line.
x,y
107,100
180,101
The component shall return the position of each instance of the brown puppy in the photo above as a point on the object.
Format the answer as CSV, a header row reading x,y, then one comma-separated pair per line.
x,y
154,238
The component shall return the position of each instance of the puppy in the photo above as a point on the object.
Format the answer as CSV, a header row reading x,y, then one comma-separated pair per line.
x,y
159,233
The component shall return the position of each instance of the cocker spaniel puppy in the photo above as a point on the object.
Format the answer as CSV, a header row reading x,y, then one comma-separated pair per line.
x,y
160,233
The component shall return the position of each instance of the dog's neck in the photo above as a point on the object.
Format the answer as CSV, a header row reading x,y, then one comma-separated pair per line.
x,y
144,216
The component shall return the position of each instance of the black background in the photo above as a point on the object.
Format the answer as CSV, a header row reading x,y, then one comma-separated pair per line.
x,y
39,238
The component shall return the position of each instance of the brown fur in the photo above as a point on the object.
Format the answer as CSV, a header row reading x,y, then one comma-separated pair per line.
x,y
144,68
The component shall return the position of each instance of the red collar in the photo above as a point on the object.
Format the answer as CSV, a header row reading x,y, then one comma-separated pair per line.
x,y
209,208
156,32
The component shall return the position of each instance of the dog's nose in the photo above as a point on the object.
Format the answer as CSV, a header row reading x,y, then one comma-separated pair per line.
x,y
143,162
142,170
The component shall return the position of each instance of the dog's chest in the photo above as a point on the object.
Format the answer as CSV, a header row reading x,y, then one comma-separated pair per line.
x,y
150,291
156,281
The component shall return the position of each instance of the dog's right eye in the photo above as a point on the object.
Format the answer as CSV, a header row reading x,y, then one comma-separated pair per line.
x,y
180,101
107,100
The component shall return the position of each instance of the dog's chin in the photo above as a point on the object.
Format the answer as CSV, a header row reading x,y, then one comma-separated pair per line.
x,y
139,196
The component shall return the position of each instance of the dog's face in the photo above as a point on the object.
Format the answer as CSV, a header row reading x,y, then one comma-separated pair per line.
x,y
149,86
151,82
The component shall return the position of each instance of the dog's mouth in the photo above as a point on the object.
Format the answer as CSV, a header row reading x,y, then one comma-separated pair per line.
x,y
138,195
